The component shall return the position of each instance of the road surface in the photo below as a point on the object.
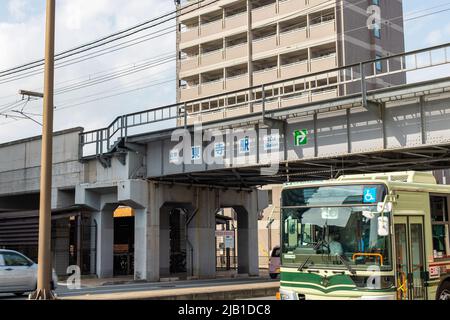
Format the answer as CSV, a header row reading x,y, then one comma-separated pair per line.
x,y
62,290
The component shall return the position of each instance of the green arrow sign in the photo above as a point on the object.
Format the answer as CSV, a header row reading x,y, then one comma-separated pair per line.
x,y
301,137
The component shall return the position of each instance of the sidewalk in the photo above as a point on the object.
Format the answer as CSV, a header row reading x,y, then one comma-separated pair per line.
x,y
93,282
225,292
205,291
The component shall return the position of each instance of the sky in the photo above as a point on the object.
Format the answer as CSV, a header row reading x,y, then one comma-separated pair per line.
x,y
22,24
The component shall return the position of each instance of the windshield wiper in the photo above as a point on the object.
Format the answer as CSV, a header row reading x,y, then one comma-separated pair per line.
x,y
318,244
346,264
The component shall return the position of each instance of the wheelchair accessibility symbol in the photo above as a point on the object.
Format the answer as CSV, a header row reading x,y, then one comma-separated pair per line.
x,y
370,195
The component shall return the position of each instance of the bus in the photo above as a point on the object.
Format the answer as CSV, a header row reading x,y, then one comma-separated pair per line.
x,y
381,236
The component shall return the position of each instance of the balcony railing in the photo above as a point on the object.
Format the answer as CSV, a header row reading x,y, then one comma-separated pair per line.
x,y
265,44
211,28
292,37
291,92
236,82
236,21
189,63
235,52
322,30
189,35
289,6
212,57
263,13
190,92
211,87
265,76
293,70
324,63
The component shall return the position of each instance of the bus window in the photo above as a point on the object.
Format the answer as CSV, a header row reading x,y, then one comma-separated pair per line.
x,y
440,225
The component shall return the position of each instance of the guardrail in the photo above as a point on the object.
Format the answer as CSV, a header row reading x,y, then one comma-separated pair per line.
x,y
356,78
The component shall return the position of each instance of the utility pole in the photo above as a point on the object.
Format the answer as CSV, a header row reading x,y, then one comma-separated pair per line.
x,y
44,290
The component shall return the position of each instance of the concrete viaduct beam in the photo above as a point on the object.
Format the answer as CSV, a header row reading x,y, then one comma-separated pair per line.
x,y
153,202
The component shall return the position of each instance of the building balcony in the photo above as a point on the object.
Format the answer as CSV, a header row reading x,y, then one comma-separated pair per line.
x,y
189,93
325,95
263,13
295,100
212,88
292,37
189,64
312,3
237,83
323,63
322,30
264,44
188,9
294,70
289,6
270,104
211,115
236,21
211,28
189,35
211,58
265,76
236,52
238,111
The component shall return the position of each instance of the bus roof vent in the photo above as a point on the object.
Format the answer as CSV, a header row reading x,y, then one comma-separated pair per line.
x,y
405,176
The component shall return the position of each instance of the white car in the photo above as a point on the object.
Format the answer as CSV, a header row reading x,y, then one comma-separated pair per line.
x,y
18,274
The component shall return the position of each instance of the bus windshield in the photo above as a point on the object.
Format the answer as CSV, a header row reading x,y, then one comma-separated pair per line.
x,y
334,226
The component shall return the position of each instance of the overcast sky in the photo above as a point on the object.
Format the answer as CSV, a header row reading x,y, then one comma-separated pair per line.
x,y
22,25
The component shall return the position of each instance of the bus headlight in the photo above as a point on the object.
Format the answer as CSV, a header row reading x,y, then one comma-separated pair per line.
x,y
288,295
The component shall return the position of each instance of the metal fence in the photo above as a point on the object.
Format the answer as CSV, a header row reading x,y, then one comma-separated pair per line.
x,y
224,264
354,79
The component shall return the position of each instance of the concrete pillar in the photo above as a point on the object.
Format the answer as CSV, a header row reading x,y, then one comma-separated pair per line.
x,y
164,242
201,234
152,239
105,243
146,252
140,243
247,219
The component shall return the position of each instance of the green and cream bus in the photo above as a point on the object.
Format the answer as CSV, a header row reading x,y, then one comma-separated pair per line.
x,y
366,237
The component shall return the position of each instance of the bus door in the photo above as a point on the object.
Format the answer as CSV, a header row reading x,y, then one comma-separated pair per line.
x,y
410,258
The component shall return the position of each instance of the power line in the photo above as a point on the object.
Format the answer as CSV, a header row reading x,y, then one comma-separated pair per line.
x,y
107,39
78,59
114,76
130,85
121,72
412,18
9,106
112,95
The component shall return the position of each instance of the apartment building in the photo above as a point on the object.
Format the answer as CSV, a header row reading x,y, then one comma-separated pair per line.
x,y
229,45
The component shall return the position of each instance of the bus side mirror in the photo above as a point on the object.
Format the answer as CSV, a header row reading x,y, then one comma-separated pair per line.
x,y
383,226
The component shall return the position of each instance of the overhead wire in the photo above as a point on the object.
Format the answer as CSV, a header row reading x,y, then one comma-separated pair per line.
x,y
321,4
108,39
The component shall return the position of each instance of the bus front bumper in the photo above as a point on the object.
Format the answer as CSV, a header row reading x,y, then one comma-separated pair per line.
x,y
294,295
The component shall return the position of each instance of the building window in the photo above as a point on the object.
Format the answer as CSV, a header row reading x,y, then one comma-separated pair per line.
x,y
378,63
440,226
